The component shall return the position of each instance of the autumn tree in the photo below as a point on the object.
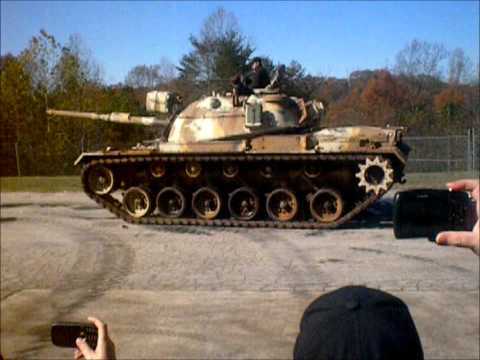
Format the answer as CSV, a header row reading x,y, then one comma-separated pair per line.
x,y
382,99
420,58
359,78
449,104
460,68
15,103
418,67
48,73
151,76
39,60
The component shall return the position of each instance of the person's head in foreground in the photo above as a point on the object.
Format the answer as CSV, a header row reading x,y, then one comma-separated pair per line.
x,y
356,322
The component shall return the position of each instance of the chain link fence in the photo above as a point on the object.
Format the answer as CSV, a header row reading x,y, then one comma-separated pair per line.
x,y
453,153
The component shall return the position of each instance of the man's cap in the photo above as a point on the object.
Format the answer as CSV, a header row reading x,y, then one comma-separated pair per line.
x,y
356,322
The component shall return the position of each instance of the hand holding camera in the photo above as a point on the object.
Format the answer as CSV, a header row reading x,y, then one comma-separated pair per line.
x,y
91,341
467,239
105,348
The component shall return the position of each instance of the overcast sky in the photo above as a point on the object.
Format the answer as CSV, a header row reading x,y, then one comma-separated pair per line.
x,y
329,38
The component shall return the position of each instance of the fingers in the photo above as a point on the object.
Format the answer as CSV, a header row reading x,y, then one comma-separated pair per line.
x,y
464,184
77,354
102,329
456,238
85,350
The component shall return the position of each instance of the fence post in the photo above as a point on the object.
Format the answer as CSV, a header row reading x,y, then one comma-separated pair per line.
x,y
449,152
467,153
17,156
475,156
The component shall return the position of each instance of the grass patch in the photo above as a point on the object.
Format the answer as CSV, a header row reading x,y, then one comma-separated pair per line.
x,y
40,183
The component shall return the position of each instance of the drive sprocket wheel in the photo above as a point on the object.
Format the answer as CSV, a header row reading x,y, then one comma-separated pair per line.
x,y
376,175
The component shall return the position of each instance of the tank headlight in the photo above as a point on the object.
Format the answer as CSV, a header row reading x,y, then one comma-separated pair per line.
x,y
215,103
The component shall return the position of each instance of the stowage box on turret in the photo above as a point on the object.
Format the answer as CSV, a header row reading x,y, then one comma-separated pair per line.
x,y
260,161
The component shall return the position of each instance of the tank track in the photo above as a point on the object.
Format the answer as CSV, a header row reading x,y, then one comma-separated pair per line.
x,y
116,207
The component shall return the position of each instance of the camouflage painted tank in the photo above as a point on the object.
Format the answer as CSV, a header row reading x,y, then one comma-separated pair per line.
x,y
260,160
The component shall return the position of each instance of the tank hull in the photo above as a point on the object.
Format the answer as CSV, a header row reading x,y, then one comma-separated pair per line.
x,y
314,180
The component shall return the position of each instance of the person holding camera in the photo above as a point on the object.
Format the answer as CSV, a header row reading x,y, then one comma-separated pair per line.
x,y
105,349
466,239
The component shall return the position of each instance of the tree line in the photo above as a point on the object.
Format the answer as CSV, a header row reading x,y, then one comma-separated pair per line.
x,y
431,90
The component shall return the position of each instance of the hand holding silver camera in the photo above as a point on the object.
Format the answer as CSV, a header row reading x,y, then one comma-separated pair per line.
x,y
467,239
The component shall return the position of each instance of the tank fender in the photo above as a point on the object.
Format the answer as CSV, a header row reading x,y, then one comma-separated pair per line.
x,y
84,157
357,136
360,139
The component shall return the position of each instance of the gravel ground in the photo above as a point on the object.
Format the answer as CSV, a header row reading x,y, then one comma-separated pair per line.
x,y
197,292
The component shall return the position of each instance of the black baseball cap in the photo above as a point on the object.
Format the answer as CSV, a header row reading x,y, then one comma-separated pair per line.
x,y
356,322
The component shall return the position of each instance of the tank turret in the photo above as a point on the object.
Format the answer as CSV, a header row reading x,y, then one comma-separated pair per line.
x,y
222,117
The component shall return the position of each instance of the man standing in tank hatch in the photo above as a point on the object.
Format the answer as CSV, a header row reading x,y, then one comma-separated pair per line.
x,y
258,78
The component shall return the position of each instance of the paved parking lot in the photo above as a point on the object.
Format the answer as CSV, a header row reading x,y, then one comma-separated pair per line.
x,y
195,292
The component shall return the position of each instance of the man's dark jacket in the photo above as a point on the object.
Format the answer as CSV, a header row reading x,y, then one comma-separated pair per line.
x,y
258,80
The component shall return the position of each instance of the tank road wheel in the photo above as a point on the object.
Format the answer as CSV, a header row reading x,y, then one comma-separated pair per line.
x,y
311,170
230,170
375,175
326,205
206,203
282,205
100,180
193,169
171,202
137,202
267,171
243,204
158,169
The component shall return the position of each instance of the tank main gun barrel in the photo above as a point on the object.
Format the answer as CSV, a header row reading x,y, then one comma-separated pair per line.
x,y
117,117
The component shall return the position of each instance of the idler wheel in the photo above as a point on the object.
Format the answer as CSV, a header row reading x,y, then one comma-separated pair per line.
x,y
376,175
171,202
230,170
243,204
206,203
158,169
137,202
326,205
193,169
100,180
282,205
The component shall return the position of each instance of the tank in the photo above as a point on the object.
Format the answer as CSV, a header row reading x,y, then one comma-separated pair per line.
x,y
262,160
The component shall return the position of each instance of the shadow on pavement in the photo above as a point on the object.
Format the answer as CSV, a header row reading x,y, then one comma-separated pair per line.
x,y
379,216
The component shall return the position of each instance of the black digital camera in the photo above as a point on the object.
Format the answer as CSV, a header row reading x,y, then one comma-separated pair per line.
x,y
426,212
64,334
